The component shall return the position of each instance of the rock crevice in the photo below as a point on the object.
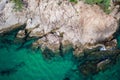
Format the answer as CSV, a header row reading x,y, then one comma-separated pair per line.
x,y
79,24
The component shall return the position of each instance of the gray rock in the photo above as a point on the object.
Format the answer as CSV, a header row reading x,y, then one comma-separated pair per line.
x,y
76,23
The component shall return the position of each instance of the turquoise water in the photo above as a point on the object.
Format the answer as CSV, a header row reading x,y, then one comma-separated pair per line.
x,y
27,64
23,63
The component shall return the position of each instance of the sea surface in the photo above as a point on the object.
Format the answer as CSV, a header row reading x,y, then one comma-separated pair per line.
x,y
21,62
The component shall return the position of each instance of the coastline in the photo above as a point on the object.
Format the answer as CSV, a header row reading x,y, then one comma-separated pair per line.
x,y
79,40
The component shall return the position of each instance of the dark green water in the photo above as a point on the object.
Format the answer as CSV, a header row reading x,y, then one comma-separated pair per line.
x,y
23,63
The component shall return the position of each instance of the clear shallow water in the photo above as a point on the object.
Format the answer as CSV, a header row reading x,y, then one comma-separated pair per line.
x,y
26,64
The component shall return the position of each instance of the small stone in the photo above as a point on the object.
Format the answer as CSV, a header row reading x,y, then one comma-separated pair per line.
x,y
21,34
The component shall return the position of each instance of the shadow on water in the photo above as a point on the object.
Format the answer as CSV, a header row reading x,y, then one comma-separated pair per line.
x,y
48,54
8,37
12,70
12,33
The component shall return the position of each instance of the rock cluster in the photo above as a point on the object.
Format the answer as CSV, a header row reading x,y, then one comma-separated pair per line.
x,y
59,23
95,60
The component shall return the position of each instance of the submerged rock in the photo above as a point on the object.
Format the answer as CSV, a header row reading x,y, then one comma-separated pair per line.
x,y
102,65
47,53
94,61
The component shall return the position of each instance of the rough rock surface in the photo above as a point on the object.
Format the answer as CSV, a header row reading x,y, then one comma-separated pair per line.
x,y
94,60
58,23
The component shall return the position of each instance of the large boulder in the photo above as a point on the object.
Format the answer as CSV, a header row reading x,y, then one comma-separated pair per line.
x,y
56,21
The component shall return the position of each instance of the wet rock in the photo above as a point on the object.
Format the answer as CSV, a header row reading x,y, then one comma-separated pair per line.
x,y
12,28
21,34
103,64
88,68
48,54
94,60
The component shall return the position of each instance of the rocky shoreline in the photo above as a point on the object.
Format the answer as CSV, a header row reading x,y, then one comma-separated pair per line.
x,y
58,25
56,28
89,62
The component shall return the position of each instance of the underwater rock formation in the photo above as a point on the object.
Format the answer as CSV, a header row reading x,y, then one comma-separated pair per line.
x,y
94,60
59,23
